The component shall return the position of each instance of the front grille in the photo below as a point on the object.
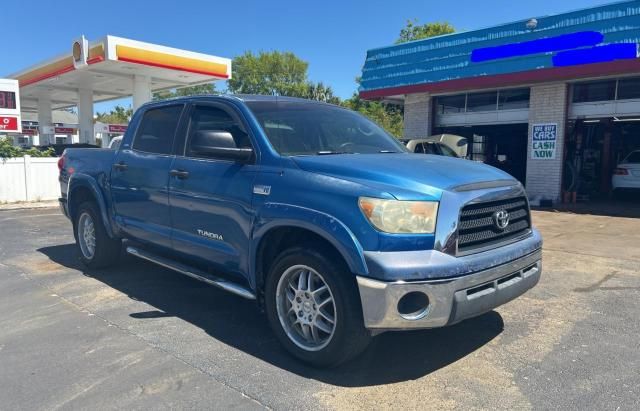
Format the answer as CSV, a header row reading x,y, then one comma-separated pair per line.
x,y
477,228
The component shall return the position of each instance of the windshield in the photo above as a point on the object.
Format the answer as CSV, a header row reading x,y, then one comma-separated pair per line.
x,y
447,151
301,128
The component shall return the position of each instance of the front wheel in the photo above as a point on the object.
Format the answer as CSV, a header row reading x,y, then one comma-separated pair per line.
x,y
314,308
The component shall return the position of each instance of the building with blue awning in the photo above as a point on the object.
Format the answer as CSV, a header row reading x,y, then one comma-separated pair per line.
x,y
553,100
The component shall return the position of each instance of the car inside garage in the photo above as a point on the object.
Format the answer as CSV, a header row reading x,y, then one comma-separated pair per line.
x,y
595,149
503,146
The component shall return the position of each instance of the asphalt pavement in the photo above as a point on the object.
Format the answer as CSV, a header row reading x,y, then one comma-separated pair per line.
x,y
138,336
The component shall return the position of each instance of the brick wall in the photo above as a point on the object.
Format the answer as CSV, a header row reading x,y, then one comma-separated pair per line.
x,y
548,104
417,115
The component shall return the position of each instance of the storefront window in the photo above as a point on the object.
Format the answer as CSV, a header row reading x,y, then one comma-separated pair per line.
x,y
482,101
594,91
478,150
629,88
450,104
513,99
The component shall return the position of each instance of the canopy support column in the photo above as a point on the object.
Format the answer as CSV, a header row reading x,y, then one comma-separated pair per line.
x,y
45,123
141,90
85,116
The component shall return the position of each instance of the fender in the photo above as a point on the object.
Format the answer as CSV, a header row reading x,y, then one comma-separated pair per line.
x,y
273,215
79,180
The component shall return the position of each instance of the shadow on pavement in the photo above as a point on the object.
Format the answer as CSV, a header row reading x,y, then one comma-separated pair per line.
x,y
392,357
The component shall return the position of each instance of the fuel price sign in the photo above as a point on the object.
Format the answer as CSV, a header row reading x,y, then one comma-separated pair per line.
x,y
10,121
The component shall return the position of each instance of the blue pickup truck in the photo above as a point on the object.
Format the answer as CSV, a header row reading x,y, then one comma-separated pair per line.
x,y
310,209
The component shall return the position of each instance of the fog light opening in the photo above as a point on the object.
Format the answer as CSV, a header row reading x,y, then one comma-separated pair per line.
x,y
413,305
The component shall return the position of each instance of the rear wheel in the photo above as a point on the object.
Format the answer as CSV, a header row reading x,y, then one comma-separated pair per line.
x,y
96,248
314,308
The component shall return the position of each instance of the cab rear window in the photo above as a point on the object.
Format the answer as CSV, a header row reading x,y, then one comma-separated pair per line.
x,y
157,130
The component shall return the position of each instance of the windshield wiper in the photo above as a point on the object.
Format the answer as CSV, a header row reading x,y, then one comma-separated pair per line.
x,y
329,152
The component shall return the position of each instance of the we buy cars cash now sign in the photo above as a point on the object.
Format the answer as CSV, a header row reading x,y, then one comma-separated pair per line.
x,y
543,142
10,106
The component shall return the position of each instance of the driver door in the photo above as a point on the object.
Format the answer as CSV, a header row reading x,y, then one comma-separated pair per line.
x,y
210,197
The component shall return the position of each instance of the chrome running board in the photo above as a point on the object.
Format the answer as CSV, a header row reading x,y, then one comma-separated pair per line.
x,y
193,273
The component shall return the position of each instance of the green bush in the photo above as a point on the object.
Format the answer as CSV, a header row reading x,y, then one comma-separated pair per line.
x,y
8,150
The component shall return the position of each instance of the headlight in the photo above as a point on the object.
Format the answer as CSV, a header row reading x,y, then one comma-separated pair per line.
x,y
394,216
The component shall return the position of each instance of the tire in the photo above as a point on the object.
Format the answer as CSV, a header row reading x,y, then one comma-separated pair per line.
x,y
348,336
105,251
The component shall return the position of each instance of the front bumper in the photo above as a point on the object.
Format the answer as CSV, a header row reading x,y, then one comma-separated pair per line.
x,y
451,299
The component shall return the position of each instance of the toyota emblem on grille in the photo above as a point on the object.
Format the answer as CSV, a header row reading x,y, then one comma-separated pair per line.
x,y
501,219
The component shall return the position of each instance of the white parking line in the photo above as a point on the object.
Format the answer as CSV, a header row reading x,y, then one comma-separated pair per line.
x,y
29,216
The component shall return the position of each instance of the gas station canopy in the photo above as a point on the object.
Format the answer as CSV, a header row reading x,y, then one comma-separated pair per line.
x,y
107,69
110,70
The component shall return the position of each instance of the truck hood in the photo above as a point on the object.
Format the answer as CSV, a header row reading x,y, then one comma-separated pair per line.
x,y
404,175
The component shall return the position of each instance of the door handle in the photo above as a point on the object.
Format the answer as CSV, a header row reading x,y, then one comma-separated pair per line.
x,y
181,174
121,166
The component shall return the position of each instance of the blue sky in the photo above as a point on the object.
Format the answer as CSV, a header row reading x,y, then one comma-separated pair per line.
x,y
332,36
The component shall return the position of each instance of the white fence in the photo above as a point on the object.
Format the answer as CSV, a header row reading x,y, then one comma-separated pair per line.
x,y
29,179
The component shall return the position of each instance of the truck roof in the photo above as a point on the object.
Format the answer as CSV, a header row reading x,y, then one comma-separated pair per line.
x,y
256,97
236,97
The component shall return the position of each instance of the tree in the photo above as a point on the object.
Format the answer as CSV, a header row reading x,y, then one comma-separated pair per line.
x,y
269,73
277,73
8,150
117,115
391,116
387,116
207,88
414,31
320,92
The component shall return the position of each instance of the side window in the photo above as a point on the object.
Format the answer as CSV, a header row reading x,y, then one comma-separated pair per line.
x,y
157,130
429,148
211,118
419,148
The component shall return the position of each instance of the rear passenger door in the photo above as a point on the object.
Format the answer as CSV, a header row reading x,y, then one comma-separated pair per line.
x,y
211,197
140,177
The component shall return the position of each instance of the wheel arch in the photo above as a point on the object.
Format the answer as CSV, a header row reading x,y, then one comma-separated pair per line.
x,y
298,226
83,188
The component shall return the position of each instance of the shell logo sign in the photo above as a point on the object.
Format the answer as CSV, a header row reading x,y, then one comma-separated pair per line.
x,y
10,121
80,51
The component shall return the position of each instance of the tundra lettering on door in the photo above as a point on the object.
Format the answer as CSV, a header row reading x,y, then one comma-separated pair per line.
x,y
210,235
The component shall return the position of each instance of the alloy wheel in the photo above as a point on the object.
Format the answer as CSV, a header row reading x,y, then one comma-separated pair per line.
x,y
306,308
87,235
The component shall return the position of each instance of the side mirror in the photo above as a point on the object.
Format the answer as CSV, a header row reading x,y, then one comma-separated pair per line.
x,y
220,144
